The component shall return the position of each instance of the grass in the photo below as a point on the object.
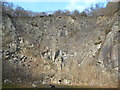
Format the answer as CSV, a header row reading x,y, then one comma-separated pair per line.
x,y
17,85
10,85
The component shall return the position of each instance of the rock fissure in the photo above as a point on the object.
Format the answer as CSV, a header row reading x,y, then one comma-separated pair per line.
x,y
61,50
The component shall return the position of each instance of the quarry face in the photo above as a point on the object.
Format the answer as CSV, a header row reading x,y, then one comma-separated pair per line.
x,y
61,50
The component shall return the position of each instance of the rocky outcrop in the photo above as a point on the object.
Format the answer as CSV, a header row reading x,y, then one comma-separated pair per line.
x,y
61,50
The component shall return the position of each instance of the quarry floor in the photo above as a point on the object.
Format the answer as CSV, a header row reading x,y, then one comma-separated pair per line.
x,y
24,85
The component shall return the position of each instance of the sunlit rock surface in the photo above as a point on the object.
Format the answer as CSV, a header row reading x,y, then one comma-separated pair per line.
x,y
61,50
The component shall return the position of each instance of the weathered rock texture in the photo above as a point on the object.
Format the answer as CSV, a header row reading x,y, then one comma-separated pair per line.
x,y
62,50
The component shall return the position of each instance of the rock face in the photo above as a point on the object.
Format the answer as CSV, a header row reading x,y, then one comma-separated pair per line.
x,y
62,50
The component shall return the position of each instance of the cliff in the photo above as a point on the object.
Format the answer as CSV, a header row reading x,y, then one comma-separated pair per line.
x,y
61,50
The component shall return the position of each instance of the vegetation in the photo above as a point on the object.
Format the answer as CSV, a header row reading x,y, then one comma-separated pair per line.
x,y
10,85
16,85
93,10
37,28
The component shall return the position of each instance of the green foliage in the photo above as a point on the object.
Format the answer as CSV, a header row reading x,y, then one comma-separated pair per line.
x,y
13,85
10,85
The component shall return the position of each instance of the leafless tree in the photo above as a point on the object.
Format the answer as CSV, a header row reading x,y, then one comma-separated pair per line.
x,y
76,13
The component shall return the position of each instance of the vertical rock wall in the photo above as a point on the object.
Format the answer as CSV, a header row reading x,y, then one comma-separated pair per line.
x,y
61,50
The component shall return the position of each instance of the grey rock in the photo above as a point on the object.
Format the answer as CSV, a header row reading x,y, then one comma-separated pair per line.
x,y
72,50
